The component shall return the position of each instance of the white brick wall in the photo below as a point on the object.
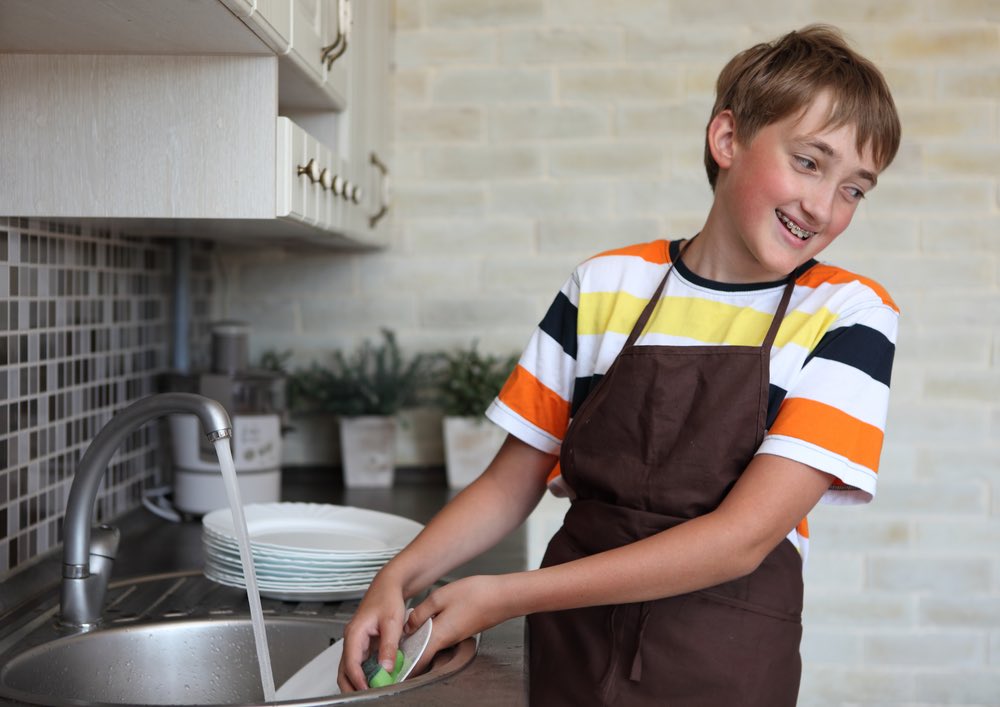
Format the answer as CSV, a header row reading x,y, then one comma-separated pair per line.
x,y
532,133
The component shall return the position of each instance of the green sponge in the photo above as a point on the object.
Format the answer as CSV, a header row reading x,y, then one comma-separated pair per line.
x,y
376,675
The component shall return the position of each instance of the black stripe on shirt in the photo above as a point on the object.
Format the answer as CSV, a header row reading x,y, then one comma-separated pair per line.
x,y
775,396
560,323
858,346
695,279
581,389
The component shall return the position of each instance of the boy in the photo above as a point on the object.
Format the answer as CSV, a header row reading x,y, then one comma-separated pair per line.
x,y
700,397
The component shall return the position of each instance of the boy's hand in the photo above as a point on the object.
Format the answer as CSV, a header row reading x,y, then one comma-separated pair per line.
x,y
460,609
376,626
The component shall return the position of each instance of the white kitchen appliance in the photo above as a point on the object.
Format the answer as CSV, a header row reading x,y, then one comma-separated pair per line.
x,y
254,400
256,445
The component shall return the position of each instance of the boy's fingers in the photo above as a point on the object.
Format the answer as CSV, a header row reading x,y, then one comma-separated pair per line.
x,y
354,649
389,634
421,612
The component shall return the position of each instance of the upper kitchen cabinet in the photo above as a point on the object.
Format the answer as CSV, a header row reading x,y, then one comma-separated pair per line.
x,y
253,120
311,39
363,128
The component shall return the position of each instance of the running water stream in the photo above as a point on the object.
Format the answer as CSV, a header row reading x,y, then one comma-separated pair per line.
x,y
243,539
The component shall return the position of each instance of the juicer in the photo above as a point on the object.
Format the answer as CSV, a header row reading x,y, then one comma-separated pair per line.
x,y
255,401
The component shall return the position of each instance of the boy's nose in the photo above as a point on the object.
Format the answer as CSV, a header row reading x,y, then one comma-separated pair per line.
x,y
817,205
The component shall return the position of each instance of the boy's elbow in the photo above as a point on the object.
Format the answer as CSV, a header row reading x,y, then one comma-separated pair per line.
x,y
747,564
749,557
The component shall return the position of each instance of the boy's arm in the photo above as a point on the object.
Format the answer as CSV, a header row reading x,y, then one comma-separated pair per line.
x,y
472,522
772,496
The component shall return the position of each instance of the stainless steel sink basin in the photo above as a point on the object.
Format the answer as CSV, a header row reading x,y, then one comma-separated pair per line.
x,y
178,640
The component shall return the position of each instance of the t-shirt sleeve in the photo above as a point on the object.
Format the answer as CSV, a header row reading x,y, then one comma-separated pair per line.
x,y
534,403
833,416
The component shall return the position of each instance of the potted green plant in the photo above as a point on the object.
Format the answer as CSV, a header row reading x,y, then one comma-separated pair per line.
x,y
364,390
467,382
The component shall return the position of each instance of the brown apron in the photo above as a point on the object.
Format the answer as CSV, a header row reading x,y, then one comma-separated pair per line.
x,y
662,439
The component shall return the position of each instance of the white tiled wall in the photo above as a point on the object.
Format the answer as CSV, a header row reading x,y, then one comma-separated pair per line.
x,y
531,133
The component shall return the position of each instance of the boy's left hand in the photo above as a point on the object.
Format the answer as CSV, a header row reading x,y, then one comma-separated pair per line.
x,y
460,609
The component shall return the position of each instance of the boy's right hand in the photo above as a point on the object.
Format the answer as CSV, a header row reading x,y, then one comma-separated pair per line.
x,y
377,625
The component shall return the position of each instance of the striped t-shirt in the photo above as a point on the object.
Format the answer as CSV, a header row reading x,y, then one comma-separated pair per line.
x,y
830,364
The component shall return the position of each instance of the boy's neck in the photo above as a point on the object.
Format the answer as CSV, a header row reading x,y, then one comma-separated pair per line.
x,y
715,256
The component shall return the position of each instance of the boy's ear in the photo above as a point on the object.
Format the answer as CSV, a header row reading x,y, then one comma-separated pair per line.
x,y
722,138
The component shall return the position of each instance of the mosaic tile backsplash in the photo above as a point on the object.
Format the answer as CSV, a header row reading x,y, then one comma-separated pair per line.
x,y
85,329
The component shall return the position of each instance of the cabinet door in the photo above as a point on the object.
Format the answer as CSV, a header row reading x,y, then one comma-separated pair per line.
x,y
304,70
240,8
366,114
314,171
294,172
274,20
338,44
308,35
374,184
328,201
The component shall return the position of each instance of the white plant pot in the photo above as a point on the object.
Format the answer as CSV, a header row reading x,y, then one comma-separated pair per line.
x,y
368,450
470,443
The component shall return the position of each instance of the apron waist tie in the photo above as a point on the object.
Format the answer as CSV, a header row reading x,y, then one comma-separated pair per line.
x,y
609,685
608,681
635,675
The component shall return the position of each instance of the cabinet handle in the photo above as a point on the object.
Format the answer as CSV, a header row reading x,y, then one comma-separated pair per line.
x,y
384,200
338,185
325,179
311,170
332,52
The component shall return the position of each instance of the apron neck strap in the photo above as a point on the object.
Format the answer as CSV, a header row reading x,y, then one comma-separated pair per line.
x,y
779,314
647,311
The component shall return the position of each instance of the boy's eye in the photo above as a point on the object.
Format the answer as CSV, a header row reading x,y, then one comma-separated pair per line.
x,y
855,193
805,162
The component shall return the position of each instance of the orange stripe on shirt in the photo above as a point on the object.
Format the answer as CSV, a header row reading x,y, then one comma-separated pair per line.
x,y
830,428
657,252
820,273
532,400
554,474
803,528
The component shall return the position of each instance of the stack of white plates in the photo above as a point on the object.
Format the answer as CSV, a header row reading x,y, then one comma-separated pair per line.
x,y
305,551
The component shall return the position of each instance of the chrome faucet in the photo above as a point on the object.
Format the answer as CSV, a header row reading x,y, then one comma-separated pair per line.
x,y
88,554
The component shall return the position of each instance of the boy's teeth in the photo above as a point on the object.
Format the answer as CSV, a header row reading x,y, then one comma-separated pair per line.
x,y
794,228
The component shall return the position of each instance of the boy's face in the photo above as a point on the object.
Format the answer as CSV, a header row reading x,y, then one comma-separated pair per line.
x,y
789,193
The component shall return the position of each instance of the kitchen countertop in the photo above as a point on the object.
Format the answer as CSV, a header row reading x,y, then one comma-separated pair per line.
x,y
151,545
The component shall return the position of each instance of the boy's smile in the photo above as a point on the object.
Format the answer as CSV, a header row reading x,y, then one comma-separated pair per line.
x,y
782,198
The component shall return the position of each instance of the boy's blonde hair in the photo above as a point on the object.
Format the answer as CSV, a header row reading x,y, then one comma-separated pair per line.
x,y
769,82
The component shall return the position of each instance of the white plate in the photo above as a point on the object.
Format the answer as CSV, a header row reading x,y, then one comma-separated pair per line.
x,y
297,594
292,564
299,579
319,528
268,580
229,577
237,569
231,552
292,555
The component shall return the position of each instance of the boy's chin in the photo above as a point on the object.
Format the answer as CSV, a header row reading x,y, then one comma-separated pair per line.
x,y
779,262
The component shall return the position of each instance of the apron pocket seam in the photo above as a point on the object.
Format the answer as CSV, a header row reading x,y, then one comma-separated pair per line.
x,y
794,618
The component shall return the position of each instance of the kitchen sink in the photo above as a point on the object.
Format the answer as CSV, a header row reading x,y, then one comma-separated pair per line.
x,y
178,639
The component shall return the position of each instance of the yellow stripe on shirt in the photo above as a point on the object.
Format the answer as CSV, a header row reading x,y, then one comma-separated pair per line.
x,y
702,320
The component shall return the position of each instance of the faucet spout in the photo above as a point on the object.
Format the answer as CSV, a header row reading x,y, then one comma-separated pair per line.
x,y
86,568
